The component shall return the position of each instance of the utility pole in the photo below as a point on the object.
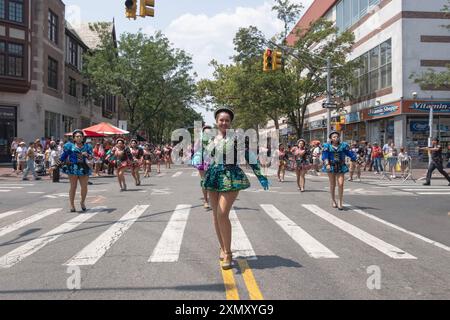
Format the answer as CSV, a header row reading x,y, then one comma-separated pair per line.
x,y
328,97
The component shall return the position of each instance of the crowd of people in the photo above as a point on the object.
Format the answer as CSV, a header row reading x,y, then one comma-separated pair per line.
x,y
40,158
306,157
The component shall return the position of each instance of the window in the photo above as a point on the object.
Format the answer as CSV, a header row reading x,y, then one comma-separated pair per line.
x,y
72,54
85,91
52,73
72,87
68,123
2,58
16,10
52,27
349,12
375,71
52,124
15,60
2,9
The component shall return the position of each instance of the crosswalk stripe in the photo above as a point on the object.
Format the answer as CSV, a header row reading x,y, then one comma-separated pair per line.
x,y
97,248
312,247
17,255
428,190
433,193
195,174
22,223
11,187
177,174
3,190
242,248
169,245
356,232
416,235
9,213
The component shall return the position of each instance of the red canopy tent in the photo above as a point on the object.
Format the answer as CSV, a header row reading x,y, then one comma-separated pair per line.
x,y
106,129
88,134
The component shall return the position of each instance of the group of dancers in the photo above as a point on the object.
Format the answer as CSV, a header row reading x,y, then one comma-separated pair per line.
x,y
221,179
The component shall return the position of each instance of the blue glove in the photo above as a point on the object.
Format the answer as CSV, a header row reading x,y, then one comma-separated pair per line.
x,y
265,183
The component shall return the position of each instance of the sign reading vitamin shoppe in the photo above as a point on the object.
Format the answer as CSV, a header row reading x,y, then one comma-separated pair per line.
x,y
437,106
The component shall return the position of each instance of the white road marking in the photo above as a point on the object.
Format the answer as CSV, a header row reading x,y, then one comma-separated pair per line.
x,y
20,185
17,255
242,248
11,187
177,174
169,245
35,192
9,213
428,190
374,242
97,248
416,235
22,223
433,193
195,174
312,247
2,190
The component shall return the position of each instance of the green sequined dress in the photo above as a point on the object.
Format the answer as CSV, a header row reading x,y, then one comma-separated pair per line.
x,y
222,176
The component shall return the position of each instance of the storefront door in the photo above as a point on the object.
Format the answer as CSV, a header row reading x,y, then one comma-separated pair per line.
x,y
8,129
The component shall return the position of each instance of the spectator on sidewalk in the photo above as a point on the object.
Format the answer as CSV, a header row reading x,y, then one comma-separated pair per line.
x,y
30,155
14,146
21,157
377,154
436,161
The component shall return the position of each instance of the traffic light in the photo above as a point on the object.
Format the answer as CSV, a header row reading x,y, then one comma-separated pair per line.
x,y
278,60
130,9
147,8
268,60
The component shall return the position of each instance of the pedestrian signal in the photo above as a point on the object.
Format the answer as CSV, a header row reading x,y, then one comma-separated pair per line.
x,y
278,60
147,8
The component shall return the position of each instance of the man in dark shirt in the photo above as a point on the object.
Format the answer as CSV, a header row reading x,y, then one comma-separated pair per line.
x,y
436,161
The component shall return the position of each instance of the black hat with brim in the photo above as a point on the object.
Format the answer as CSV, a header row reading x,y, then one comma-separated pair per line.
x,y
334,132
224,109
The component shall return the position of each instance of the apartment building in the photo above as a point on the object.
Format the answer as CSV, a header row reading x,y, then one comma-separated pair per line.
x,y
393,40
42,90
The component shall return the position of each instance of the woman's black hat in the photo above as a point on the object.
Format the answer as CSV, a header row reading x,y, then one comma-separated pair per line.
x,y
334,132
224,109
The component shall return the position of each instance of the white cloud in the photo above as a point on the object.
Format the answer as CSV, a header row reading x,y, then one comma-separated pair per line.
x,y
211,37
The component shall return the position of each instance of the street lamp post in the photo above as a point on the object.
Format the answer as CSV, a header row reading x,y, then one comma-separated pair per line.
x,y
328,97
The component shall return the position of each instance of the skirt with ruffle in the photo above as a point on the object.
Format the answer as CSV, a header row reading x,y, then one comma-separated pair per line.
x,y
226,178
77,169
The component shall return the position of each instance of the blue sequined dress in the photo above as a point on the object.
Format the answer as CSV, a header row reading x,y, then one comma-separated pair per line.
x,y
74,161
335,157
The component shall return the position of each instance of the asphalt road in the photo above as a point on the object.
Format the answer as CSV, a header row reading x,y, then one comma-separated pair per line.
x,y
156,241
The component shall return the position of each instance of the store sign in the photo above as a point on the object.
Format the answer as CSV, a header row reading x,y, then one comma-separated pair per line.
x,y
7,113
352,117
422,126
382,111
317,124
437,106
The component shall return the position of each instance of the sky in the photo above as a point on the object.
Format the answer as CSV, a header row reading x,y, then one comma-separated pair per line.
x,y
203,28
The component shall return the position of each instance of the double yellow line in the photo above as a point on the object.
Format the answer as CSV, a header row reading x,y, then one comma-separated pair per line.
x,y
250,282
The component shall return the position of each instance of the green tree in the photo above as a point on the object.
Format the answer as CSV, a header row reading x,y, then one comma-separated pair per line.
x,y
153,78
